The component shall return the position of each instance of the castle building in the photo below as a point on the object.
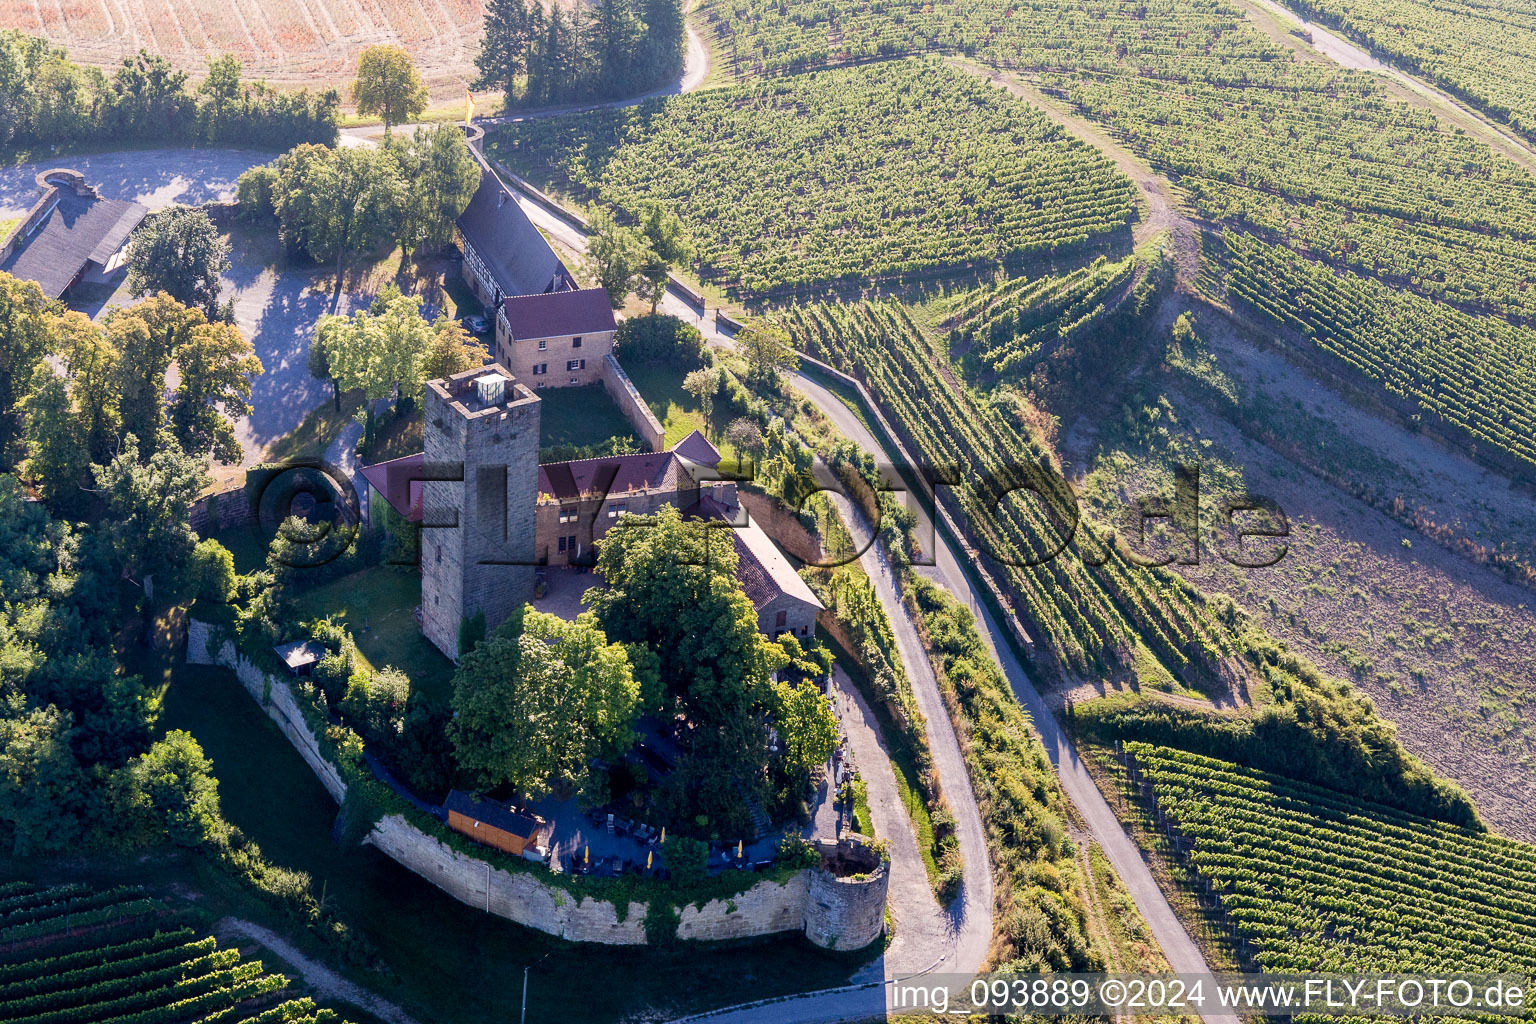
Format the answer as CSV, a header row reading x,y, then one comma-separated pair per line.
x,y
556,339
478,476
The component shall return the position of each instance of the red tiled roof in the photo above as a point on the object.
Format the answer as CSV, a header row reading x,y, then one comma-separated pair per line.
x,y
612,475
696,448
559,314
394,480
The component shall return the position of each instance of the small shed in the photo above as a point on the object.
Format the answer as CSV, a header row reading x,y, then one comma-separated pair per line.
x,y
301,655
492,823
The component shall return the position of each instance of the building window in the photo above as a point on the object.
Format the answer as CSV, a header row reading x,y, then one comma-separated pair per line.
x,y
437,553
615,510
780,619
575,364
568,515
562,540
540,369
543,345
575,343
570,542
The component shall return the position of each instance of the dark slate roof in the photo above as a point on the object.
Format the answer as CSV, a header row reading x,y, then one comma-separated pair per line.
x,y
761,567
507,241
613,475
78,230
496,815
696,448
559,314
401,483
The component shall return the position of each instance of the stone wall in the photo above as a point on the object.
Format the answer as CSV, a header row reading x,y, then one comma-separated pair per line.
x,y
222,511
835,913
627,397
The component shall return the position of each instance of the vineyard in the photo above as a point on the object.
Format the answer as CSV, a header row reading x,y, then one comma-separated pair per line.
x,y
1482,50
1007,326
1314,880
293,42
72,955
1086,609
1477,374
896,170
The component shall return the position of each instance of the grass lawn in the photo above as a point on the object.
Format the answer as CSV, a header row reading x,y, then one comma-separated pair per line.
x,y
580,416
379,606
662,388
441,960
248,545
314,435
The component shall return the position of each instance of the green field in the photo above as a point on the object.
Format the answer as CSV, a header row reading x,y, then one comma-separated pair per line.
x,y
661,385
580,417
113,956
897,170
1316,880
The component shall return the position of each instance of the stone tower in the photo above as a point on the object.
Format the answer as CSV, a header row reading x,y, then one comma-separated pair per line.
x,y
477,541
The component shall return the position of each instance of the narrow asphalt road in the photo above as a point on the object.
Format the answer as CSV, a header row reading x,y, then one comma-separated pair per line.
x,y
1183,955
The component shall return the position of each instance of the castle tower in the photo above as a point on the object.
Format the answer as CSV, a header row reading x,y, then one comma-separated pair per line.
x,y
477,544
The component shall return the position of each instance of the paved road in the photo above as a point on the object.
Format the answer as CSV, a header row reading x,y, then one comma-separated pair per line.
x,y
1124,855
155,177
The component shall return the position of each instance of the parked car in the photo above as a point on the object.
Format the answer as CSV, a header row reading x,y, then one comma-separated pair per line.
x,y
475,324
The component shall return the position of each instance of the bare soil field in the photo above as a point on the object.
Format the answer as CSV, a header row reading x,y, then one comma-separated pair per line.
x,y
1440,644
288,42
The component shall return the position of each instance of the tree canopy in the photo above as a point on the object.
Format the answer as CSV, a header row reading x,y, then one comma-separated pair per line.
x,y
179,251
541,699
387,85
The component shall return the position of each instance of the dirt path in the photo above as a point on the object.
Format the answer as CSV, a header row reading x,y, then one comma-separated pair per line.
x,y
327,984
1278,21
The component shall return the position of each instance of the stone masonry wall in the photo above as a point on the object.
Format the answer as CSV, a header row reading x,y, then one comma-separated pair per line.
x,y
627,397
834,913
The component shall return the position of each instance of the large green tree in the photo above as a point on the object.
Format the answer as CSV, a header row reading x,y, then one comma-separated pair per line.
x,y
668,247
672,588
616,255
216,367
387,85
145,337
541,699
510,32
440,177
169,790
58,456
147,509
363,196
27,334
180,252
43,788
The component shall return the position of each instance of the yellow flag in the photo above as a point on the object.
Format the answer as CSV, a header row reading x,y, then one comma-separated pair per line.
x,y
469,108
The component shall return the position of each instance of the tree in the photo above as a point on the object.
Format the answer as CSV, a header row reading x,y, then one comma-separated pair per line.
x,y
616,255
612,35
375,703
541,699
661,50
381,350
318,362
552,65
144,338
440,178
169,790
668,246
807,731
58,457
672,589
92,365
256,192
147,509
510,33
451,350
298,197
43,789
387,85
222,89
212,575
767,350
27,334
217,366
659,338
180,252
359,207
703,384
